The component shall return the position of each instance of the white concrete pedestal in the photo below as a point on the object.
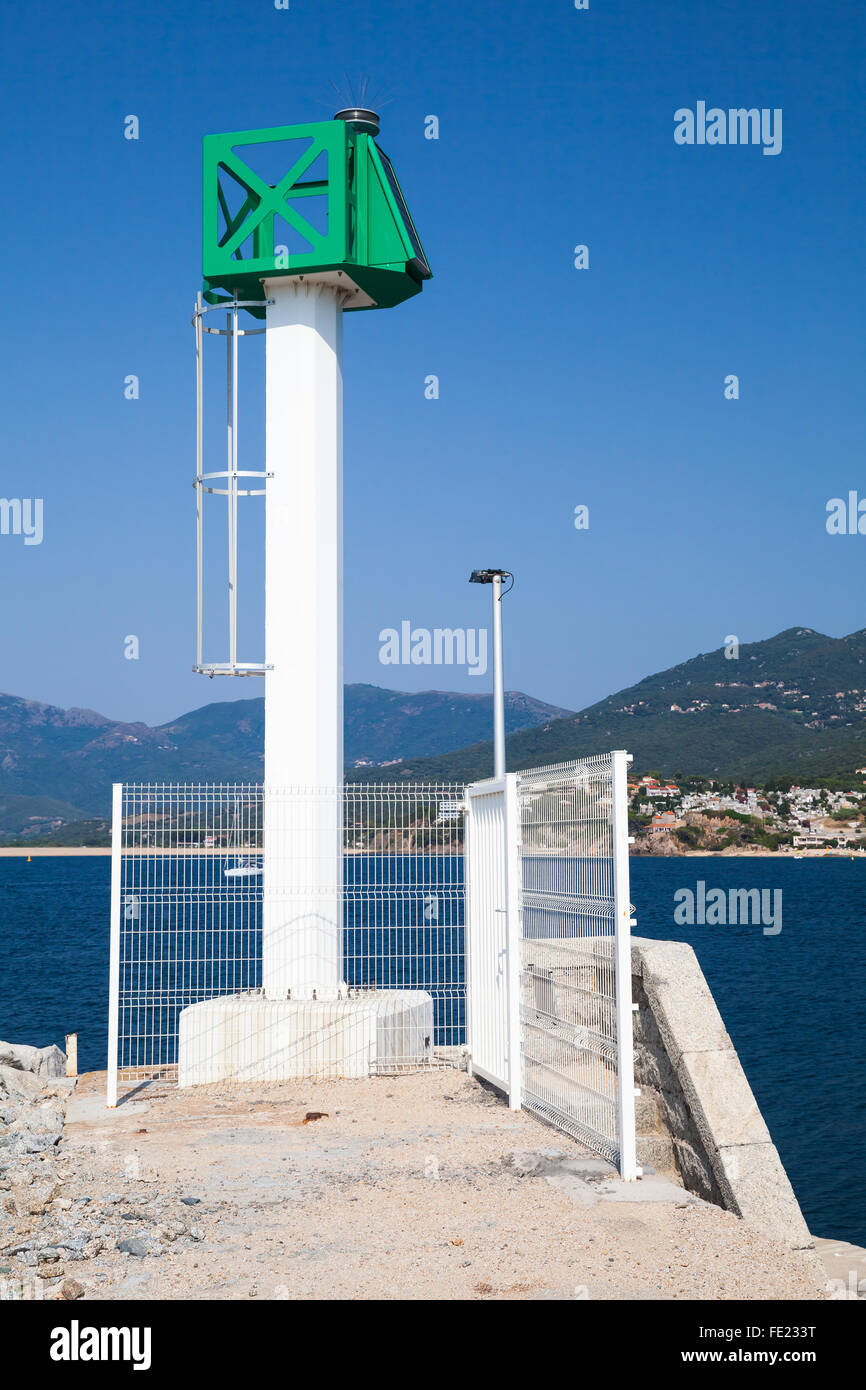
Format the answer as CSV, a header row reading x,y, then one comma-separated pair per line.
x,y
251,1038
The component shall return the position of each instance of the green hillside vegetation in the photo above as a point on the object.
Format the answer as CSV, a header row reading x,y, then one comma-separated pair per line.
x,y
791,709
90,834
28,816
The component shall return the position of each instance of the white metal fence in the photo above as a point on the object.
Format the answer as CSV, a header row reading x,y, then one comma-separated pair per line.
x,y
492,929
548,948
186,907
538,985
403,896
575,990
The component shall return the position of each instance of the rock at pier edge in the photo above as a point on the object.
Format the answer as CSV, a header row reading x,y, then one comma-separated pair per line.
x,y
50,1217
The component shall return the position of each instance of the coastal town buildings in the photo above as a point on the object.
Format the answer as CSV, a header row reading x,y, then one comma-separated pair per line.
x,y
803,819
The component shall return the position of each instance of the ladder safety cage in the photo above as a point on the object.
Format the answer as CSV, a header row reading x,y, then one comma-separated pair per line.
x,y
209,482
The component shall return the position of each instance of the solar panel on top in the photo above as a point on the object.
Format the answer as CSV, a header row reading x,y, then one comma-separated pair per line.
x,y
404,212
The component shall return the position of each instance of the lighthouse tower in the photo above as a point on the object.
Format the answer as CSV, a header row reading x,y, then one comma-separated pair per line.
x,y
302,224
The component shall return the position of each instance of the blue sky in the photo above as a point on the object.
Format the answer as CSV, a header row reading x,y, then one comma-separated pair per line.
x,y
558,387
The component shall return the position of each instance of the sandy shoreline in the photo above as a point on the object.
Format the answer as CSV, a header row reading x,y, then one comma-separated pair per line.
x,y
66,851
45,851
757,854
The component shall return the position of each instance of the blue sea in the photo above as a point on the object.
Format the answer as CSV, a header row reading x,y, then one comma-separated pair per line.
x,y
794,1003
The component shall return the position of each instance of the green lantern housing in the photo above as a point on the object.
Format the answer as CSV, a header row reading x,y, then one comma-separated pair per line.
x,y
303,199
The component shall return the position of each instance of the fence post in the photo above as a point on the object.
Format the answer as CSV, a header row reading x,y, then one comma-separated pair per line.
x,y
467,926
114,965
71,1048
513,936
628,1165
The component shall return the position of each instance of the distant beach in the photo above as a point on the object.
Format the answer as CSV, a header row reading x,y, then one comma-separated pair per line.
x,y
748,853
45,851
67,851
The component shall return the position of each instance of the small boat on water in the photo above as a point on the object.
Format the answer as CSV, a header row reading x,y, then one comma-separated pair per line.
x,y
240,865
242,868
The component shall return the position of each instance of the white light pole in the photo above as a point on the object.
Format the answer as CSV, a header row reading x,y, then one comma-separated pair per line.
x,y
495,578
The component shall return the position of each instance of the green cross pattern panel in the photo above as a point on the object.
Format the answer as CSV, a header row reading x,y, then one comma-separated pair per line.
x,y
330,200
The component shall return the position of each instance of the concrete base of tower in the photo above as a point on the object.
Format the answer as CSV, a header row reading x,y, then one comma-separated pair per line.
x,y
250,1038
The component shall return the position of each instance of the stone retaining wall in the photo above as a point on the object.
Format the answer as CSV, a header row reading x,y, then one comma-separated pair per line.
x,y
685,1060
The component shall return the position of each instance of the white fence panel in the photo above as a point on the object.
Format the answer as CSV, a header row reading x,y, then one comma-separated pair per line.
x,y
576,1015
492,960
187,896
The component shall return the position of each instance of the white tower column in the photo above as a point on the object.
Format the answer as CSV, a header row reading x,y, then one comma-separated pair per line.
x,y
302,861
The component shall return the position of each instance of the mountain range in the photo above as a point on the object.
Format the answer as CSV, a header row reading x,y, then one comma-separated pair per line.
x,y
57,765
793,706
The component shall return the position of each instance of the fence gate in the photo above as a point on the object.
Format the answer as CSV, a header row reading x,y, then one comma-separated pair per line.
x,y
575,953
492,964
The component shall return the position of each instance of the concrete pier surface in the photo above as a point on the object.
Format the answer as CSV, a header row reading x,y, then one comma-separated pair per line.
x,y
419,1186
